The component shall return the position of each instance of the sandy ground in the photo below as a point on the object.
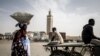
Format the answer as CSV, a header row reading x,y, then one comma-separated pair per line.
x,y
36,49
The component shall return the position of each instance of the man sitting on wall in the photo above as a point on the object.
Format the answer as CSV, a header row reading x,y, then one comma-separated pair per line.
x,y
87,33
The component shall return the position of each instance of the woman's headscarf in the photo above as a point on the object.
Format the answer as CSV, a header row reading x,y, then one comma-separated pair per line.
x,y
21,25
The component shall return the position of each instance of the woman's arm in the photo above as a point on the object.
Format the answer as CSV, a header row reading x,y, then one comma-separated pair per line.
x,y
17,36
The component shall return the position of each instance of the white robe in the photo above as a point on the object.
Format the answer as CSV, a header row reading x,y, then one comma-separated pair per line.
x,y
58,37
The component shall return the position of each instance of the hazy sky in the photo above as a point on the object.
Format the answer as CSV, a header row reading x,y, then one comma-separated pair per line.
x,y
68,15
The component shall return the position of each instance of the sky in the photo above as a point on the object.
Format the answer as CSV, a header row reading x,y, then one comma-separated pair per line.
x,y
68,15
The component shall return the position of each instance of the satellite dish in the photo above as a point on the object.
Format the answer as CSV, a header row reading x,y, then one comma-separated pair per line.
x,y
22,17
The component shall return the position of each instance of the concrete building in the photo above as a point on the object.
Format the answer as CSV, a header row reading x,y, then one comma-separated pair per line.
x,y
1,36
9,36
49,22
43,35
30,35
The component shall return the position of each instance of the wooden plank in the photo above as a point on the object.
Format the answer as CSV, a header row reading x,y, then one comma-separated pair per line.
x,y
70,45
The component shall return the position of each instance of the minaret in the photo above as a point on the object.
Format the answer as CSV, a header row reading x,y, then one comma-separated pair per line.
x,y
49,22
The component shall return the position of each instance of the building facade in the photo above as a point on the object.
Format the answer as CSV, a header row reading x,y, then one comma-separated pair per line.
x,y
49,22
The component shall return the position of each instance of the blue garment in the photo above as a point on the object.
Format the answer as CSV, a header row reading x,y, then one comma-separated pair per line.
x,y
26,44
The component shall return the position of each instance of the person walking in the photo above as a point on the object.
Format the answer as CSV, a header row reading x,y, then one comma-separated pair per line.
x,y
21,43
